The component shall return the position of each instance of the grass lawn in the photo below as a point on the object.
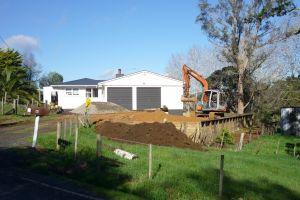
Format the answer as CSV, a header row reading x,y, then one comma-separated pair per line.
x,y
253,173
8,119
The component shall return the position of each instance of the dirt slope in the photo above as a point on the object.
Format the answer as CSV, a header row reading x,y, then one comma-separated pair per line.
x,y
155,133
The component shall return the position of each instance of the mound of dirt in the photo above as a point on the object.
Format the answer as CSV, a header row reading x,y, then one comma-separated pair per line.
x,y
164,134
144,116
100,108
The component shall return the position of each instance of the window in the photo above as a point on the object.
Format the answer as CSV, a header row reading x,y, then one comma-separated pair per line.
x,y
88,92
69,91
95,92
75,91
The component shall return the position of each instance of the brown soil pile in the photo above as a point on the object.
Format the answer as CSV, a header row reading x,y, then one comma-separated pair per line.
x,y
164,134
144,116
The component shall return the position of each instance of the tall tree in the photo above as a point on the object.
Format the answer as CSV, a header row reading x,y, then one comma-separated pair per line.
x,y
51,78
203,60
247,31
14,76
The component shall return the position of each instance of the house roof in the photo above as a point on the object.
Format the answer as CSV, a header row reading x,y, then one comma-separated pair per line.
x,y
139,72
83,81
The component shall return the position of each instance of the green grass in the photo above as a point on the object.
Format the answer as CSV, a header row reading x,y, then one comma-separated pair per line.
x,y
7,119
256,172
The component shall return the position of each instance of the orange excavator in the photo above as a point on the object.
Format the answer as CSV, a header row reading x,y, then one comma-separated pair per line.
x,y
210,103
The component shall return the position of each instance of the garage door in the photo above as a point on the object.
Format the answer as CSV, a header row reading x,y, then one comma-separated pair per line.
x,y
120,95
148,97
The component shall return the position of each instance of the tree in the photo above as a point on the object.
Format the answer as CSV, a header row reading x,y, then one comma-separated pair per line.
x,y
247,31
14,76
282,93
51,78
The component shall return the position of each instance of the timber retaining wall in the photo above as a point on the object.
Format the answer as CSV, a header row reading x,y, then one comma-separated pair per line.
x,y
205,132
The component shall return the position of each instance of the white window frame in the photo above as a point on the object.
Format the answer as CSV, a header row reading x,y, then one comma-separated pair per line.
x,y
95,89
75,91
68,91
88,92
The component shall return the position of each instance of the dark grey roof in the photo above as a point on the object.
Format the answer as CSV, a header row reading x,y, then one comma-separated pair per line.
x,y
83,81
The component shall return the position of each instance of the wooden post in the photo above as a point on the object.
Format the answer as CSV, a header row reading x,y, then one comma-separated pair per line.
x,y
58,132
65,129
277,149
221,176
150,161
262,129
98,145
5,96
39,95
35,131
2,106
17,106
76,142
70,126
241,141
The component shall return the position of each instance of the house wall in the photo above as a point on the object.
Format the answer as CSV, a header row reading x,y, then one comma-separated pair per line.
x,y
171,89
47,94
69,101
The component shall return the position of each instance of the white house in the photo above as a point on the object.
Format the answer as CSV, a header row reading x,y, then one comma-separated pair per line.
x,y
136,91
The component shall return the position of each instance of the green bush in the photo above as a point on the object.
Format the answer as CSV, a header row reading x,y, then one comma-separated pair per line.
x,y
226,137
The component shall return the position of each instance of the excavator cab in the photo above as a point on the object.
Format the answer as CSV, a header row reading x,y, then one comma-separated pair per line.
x,y
215,101
211,101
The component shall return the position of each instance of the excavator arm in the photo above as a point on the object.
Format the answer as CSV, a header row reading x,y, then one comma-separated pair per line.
x,y
187,73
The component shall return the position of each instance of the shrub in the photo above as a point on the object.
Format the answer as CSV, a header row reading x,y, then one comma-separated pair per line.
x,y
226,137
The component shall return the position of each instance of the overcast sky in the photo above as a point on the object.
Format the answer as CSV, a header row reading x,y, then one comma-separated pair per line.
x,y
93,38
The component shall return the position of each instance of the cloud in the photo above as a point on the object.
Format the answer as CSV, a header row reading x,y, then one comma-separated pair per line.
x,y
23,43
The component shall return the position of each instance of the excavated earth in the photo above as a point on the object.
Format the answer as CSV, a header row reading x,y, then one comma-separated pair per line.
x,y
164,134
153,127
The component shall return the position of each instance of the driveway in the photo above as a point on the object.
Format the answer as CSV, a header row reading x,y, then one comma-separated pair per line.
x,y
18,134
17,183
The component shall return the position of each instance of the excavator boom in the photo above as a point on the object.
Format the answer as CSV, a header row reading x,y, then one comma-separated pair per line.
x,y
211,99
186,73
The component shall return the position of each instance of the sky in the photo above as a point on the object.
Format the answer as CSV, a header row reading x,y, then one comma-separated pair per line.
x,y
93,39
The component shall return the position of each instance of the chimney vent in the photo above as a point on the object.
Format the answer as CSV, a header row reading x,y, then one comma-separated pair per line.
x,y
119,74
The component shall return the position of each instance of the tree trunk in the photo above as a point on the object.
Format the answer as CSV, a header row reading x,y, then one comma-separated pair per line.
x,y
240,95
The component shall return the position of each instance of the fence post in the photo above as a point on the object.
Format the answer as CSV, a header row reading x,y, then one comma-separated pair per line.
x,y
17,106
76,141
262,129
65,129
241,141
98,145
150,161
2,106
35,131
5,96
277,149
221,176
70,126
58,132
